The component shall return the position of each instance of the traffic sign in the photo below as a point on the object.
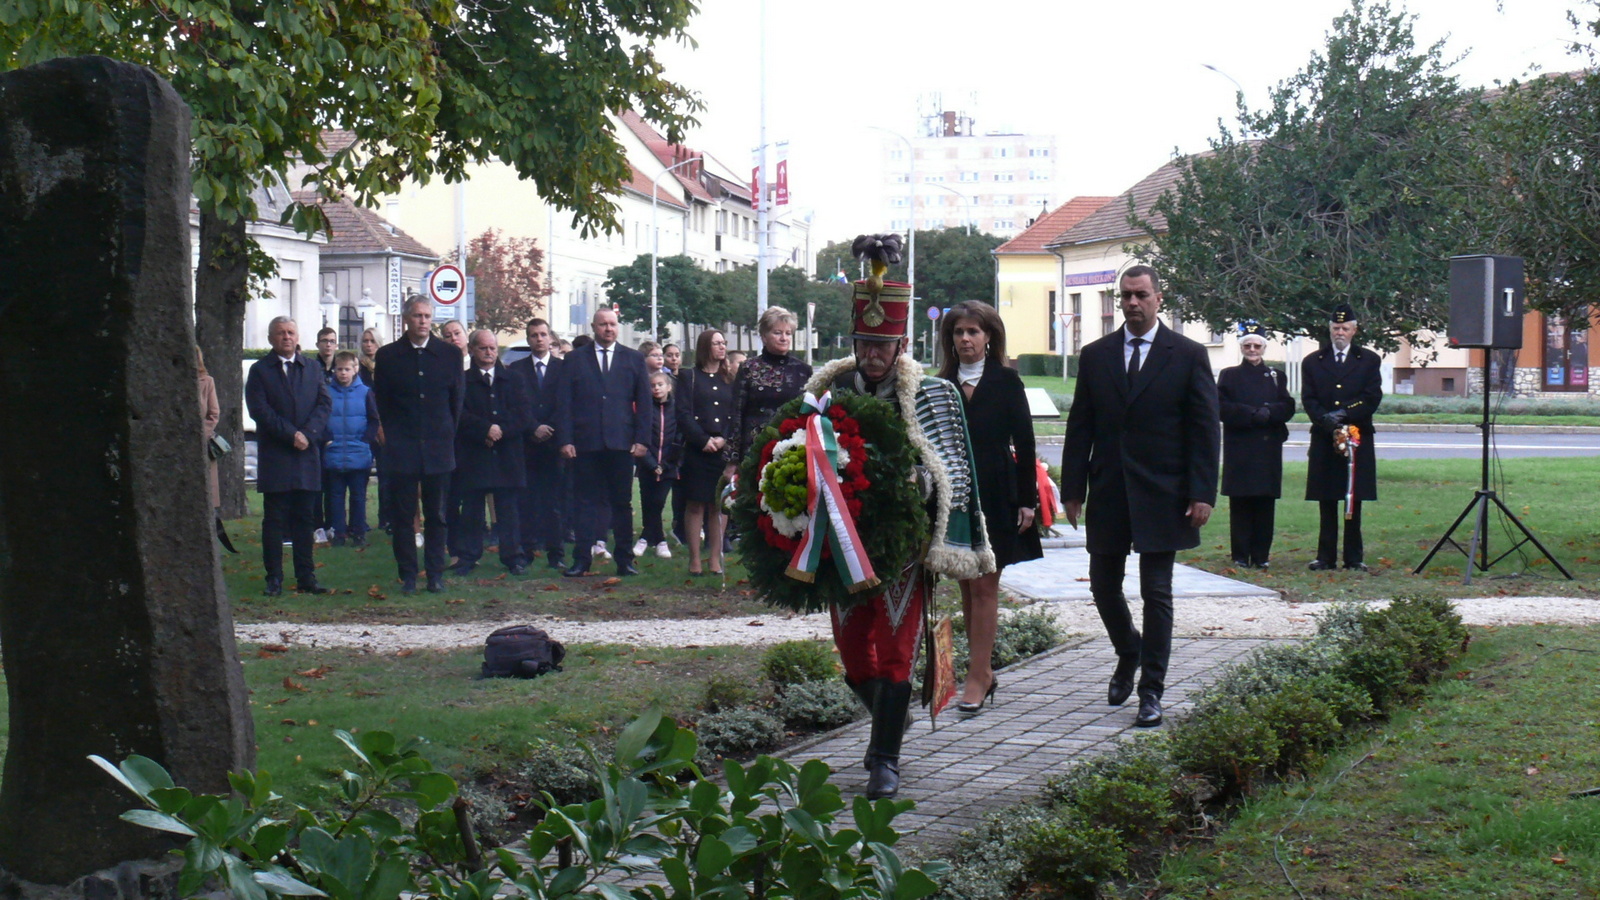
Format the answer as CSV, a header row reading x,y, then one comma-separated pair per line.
x,y
447,284
933,312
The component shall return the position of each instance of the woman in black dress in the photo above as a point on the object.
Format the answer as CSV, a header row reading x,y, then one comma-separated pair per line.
x,y
1255,405
705,414
765,383
973,339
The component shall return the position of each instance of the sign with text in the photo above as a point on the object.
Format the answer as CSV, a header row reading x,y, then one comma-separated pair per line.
x,y
395,287
1084,279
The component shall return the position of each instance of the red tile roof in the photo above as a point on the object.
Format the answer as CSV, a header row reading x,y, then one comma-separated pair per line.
x,y
355,229
1051,225
640,184
669,154
1110,222
336,139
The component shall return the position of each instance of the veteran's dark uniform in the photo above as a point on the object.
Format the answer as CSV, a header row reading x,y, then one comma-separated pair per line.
x,y
1356,388
1255,404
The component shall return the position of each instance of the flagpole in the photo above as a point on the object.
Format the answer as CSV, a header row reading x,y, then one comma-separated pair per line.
x,y
761,175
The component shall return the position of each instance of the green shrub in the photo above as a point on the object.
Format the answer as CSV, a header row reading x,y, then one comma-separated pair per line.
x,y
1308,713
563,771
1129,790
768,831
1039,364
991,868
1229,743
793,662
819,705
1072,854
725,692
1026,633
738,732
1402,647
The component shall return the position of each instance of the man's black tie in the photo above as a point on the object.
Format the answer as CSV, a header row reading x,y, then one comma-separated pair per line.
x,y
1133,361
539,367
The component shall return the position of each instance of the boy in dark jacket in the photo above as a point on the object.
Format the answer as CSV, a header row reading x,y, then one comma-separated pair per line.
x,y
658,468
347,458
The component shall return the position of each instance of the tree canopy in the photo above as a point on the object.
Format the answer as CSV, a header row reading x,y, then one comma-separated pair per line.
x,y
1340,191
683,292
508,274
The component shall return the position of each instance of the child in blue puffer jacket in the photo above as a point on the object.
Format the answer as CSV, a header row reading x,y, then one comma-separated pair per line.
x,y
347,458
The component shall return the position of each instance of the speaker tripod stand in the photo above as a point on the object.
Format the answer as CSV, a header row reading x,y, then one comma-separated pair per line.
x,y
1477,549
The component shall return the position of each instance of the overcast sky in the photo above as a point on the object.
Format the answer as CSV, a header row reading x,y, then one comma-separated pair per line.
x,y
1122,85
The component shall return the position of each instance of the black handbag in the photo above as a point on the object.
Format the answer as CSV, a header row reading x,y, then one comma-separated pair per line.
x,y
218,447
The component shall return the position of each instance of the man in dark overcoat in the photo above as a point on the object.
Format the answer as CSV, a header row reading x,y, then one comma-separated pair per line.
x,y
289,401
1341,384
1142,445
489,460
603,425
418,380
1256,405
543,512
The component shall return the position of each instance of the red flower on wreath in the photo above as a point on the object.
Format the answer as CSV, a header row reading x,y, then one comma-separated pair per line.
x,y
852,479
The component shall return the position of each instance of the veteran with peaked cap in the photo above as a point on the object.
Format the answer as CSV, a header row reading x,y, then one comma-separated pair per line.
x,y
1340,385
877,639
1253,399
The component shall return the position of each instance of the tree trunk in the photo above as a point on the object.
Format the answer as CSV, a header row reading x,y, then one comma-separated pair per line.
x,y
221,290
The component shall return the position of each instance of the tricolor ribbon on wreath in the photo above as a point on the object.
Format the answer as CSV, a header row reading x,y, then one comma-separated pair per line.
x,y
830,522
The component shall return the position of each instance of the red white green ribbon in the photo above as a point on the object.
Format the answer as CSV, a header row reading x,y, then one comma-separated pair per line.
x,y
830,519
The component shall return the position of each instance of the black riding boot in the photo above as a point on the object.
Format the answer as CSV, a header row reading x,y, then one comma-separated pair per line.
x,y
867,693
888,729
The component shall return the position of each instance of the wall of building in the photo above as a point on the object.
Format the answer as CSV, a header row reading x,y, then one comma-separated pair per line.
x,y
1024,283
995,183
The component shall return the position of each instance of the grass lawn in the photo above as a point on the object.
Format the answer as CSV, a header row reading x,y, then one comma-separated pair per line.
x,y
1467,795
478,727
1418,499
368,588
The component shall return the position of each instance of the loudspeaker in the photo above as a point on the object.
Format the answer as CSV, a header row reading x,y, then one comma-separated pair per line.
x,y
1486,294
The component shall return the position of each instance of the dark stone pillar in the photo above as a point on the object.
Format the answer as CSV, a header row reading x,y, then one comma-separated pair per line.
x,y
118,637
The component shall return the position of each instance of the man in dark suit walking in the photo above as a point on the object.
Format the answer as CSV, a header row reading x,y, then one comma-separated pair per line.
x,y
1341,384
289,401
542,510
489,455
1143,439
418,380
603,424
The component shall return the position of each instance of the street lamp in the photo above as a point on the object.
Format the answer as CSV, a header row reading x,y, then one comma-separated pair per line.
x,y
911,237
811,329
966,206
655,241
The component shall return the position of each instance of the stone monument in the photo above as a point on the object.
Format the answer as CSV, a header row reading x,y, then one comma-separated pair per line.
x,y
116,634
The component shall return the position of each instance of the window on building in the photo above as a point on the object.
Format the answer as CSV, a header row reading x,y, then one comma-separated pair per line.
x,y
1038,175
897,153
1038,151
1002,199
1002,152
899,224
1077,322
969,176
1566,356
1108,312
937,178
1002,224
1005,176
899,178
897,201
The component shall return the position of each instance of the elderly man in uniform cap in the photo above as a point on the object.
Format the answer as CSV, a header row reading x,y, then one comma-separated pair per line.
x,y
877,639
1341,385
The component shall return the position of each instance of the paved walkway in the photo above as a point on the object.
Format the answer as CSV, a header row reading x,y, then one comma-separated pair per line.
x,y
1052,713
1063,574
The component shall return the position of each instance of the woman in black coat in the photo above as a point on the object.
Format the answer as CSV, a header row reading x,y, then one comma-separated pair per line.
x,y
704,401
974,346
1255,405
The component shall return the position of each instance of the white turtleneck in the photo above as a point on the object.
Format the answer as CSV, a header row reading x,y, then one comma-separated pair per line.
x,y
970,373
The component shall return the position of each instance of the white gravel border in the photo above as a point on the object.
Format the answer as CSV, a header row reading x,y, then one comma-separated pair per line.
x,y
1196,617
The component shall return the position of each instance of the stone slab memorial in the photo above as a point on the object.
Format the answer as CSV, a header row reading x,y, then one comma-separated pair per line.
x,y
116,634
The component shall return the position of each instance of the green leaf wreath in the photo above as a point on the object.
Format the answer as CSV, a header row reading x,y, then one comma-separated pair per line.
x,y
890,517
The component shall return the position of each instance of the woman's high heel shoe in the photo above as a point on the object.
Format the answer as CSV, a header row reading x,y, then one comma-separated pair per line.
x,y
987,697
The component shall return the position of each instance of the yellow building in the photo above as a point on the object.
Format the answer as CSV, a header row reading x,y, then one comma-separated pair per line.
x,y
1028,276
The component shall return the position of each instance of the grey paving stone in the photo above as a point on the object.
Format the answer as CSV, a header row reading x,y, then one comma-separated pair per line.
x,y
1063,574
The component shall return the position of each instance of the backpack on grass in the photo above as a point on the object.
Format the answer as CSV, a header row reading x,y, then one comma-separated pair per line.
x,y
521,651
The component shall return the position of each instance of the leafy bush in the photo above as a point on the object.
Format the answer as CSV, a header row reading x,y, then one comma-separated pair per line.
x,y
1068,852
725,692
1026,633
819,705
738,732
794,662
1230,743
1039,364
1308,714
768,832
561,770
1129,790
991,867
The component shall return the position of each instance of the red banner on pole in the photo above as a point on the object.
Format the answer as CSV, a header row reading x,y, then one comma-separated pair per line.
x,y
782,198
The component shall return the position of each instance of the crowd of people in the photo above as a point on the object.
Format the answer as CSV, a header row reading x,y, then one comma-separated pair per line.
x,y
536,457
554,444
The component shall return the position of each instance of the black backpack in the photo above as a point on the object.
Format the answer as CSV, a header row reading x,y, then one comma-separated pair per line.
x,y
521,651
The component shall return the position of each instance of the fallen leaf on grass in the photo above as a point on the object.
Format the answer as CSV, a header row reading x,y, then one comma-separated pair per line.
x,y
287,739
644,662
287,722
374,593
454,602
490,582
318,672
292,685
404,653
1533,770
755,623
1250,618
550,587
274,648
311,722
1298,619
1559,860
612,580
